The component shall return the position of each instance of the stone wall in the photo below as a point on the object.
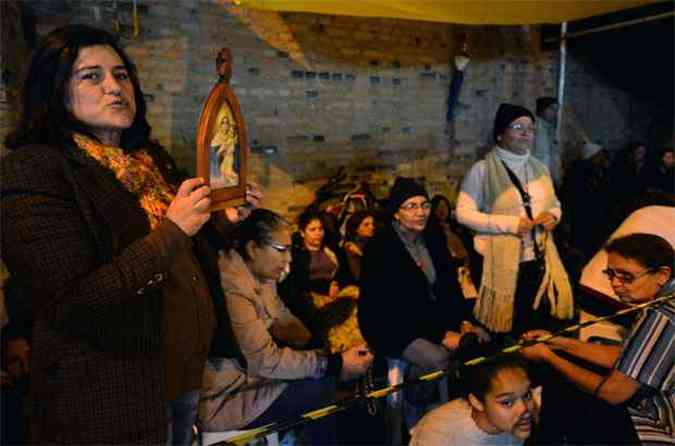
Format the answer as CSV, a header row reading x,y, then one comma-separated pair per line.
x,y
320,92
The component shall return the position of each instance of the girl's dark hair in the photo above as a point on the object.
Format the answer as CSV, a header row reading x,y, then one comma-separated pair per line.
x,y
477,379
437,200
258,228
353,223
307,217
45,118
649,250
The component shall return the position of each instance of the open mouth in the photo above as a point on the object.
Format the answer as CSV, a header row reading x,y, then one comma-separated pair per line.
x,y
525,424
120,103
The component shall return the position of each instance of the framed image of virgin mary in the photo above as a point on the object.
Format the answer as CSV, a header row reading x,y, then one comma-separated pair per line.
x,y
222,144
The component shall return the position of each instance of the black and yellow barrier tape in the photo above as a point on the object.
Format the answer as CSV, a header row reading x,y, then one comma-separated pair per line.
x,y
339,406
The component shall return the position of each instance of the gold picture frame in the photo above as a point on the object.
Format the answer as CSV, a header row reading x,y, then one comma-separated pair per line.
x,y
222,141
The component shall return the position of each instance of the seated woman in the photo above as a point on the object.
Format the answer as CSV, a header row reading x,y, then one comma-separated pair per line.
x,y
637,376
411,305
311,290
499,407
440,210
360,228
270,379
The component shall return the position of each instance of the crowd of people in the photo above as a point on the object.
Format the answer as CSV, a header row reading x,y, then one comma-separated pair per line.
x,y
143,316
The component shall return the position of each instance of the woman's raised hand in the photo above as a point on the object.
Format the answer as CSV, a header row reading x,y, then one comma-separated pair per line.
x,y
190,209
355,362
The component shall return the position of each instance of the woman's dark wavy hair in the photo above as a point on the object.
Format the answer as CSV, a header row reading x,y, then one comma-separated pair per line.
x,y
649,250
436,201
45,118
353,223
258,228
307,217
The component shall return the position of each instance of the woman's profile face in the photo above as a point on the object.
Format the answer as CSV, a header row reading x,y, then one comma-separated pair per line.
x,y
100,92
367,228
270,259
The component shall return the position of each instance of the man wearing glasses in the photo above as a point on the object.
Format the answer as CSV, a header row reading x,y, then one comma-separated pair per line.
x,y
642,370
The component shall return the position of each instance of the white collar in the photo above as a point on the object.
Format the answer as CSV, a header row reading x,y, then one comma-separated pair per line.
x,y
510,157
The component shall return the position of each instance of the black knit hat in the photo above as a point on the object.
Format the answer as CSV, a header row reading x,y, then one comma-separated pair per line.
x,y
506,114
403,189
543,103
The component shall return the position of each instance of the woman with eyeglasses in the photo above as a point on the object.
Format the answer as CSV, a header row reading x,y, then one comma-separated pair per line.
x,y
411,305
509,200
637,375
270,378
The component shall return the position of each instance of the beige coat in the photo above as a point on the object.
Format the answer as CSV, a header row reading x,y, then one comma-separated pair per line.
x,y
235,394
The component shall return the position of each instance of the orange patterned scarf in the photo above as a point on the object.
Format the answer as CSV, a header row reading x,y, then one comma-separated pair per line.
x,y
138,174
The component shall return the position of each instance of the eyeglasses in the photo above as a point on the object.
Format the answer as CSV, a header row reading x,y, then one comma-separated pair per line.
x,y
414,206
626,278
279,247
522,128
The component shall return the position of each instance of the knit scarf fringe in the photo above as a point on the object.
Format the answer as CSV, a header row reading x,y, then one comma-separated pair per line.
x,y
496,297
494,307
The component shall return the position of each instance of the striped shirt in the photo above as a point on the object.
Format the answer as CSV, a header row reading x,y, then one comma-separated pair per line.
x,y
648,357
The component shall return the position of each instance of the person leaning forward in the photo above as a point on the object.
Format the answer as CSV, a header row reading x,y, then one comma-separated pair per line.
x,y
638,375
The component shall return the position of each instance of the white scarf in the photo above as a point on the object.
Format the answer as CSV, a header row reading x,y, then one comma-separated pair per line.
x,y
495,304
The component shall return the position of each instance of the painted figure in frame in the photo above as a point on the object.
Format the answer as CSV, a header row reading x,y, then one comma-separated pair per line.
x,y
224,162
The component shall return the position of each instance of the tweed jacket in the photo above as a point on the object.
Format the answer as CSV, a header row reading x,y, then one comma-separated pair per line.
x,y
395,305
80,244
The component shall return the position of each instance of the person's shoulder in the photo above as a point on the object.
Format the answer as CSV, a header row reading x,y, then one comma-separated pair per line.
x,y
478,165
455,408
477,169
665,310
441,425
382,238
34,161
31,154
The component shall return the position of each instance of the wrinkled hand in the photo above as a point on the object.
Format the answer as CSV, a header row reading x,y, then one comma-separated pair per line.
x,y
451,340
190,209
355,362
468,327
334,290
546,219
537,352
535,334
240,213
555,343
6,380
18,351
461,62
525,225
17,355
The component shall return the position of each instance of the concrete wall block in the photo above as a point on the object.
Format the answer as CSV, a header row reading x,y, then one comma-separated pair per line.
x,y
329,91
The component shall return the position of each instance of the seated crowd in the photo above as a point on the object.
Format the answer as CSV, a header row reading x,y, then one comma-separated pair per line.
x,y
151,316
